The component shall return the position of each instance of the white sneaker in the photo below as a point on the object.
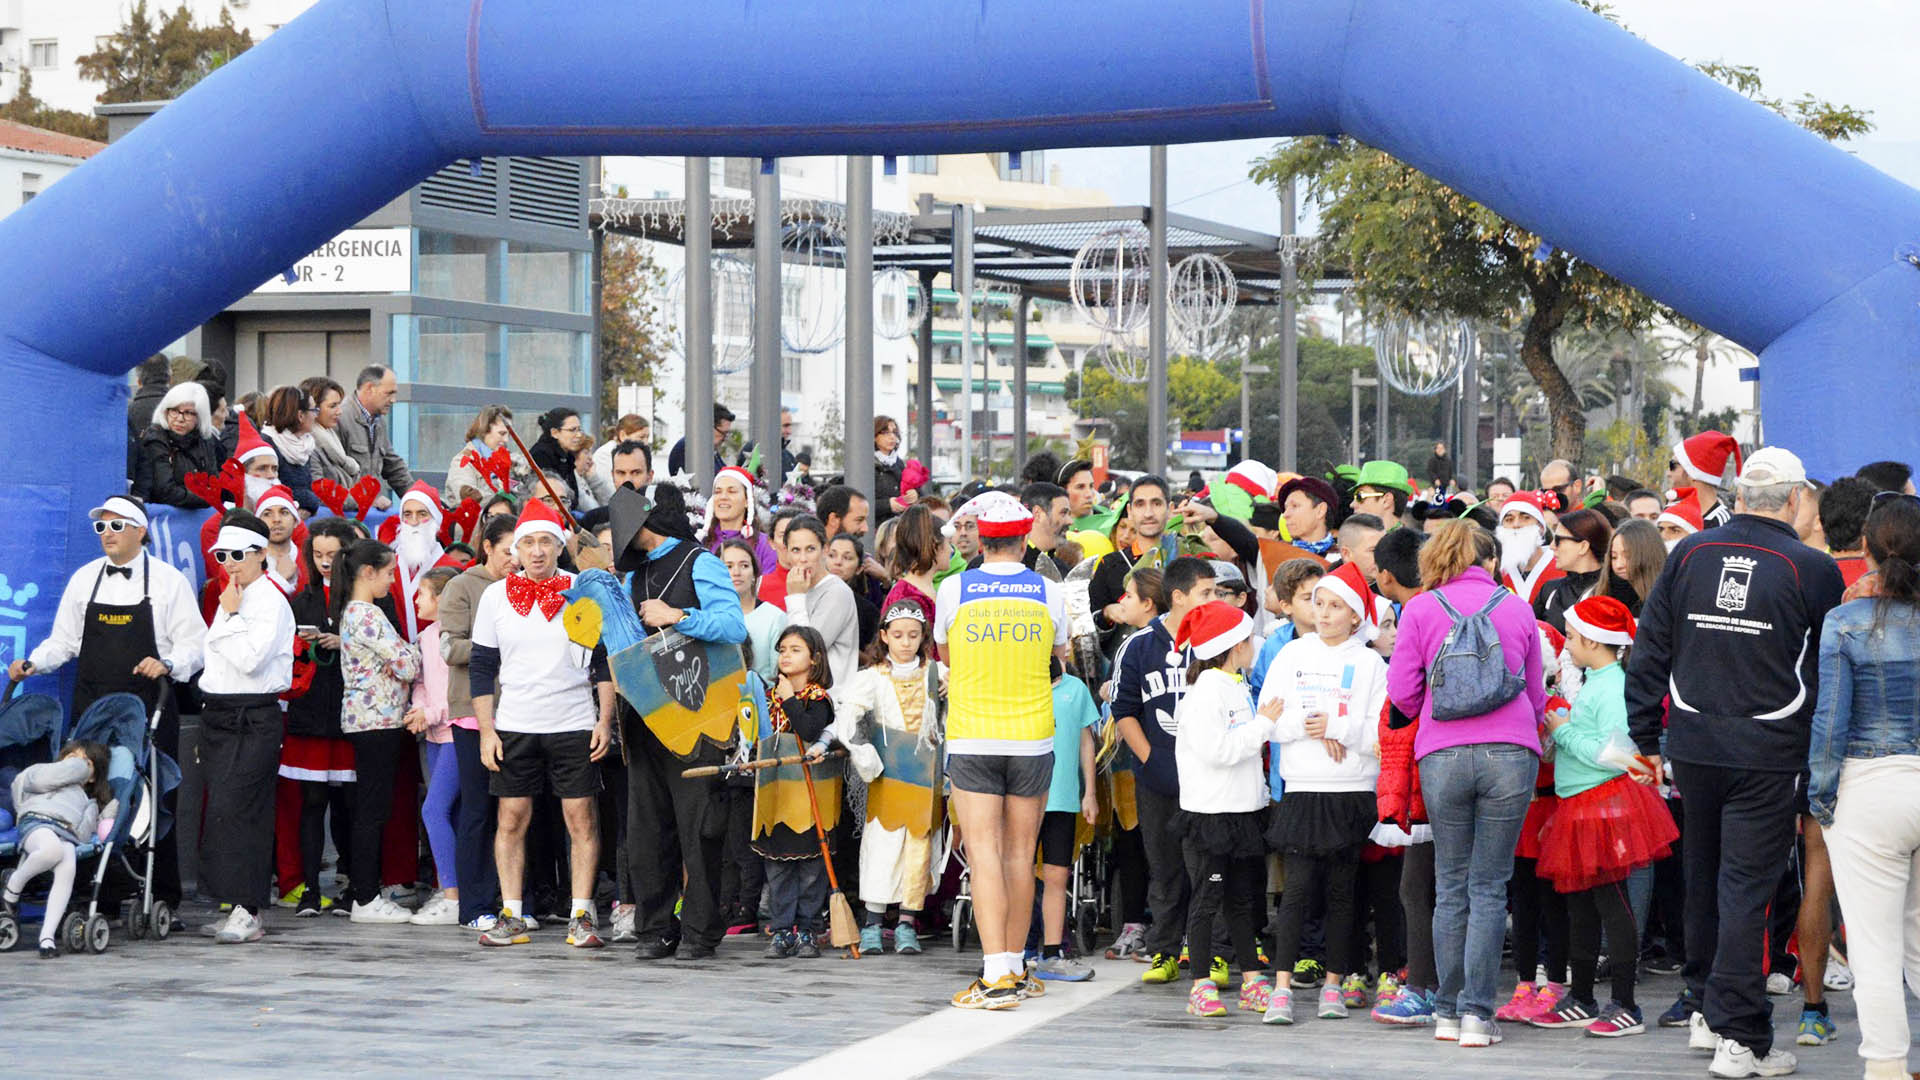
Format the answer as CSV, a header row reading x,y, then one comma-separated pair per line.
x,y
1445,1030
1475,1032
1699,1035
438,911
621,924
1734,1062
1779,984
380,910
481,923
240,928
1839,975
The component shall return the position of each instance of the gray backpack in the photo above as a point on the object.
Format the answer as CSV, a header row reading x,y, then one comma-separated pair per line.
x,y
1469,677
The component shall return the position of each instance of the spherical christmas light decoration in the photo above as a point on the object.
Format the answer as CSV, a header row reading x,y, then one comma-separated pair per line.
x,y
811,311
1422,358
1111,280
731,309
899,304
1201,296
1125,360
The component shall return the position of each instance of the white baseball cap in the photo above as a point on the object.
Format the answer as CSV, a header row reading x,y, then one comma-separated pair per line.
x,y
1773,465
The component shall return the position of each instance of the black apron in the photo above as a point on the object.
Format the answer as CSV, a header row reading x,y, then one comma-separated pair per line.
x,y
113,638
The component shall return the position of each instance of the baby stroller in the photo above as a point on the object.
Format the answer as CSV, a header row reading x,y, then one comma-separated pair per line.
x,y
140,776
29,735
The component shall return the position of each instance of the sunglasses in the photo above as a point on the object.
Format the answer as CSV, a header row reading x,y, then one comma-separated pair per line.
x,y
116,525
224,557
1887,496
1563,538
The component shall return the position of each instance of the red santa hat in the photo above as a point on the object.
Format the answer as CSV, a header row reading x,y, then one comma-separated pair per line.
x,y
278,495
423,494
733,474
1551,640
1602,620
1212,629
999,515
736,474
1529,503
1254,478
1705,457
539,517
1350,585
251,445
1683,511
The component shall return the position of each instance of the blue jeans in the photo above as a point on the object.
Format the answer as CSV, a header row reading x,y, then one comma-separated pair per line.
x,y
1476,798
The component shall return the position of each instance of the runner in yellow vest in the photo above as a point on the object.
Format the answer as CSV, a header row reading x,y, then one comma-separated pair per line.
x,y
997,625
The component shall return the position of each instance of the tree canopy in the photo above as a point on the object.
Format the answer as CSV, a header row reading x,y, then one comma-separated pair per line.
x,y
151,59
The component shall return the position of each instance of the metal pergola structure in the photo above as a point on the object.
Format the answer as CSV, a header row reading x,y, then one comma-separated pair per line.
x,y
1030,251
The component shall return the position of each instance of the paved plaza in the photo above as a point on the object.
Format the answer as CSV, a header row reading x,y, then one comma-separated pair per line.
x,y
325,997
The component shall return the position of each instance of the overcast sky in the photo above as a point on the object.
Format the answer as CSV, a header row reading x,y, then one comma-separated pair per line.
x,y
1851,52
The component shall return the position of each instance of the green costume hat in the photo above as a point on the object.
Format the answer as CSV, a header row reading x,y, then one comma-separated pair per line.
x,y
1384,474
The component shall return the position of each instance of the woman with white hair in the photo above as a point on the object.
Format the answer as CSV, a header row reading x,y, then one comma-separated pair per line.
x,y
181,440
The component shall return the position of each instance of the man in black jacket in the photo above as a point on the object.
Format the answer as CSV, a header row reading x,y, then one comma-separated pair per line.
x,y
1730,638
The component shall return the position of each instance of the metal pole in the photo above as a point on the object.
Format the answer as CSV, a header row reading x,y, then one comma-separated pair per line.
x,y
923,389
698,354
1379,417
1353,394
963,286
857,456
1157,312
1246,409
1466,454
765,407
1020,312
1289,340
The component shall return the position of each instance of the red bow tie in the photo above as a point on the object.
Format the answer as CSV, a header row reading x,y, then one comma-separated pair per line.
x,y
523,593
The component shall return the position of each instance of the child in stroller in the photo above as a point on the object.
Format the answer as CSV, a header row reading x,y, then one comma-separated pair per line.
x,y
57,805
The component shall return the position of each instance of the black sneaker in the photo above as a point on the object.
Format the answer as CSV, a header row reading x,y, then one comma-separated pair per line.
x,y
1571,1013
806,948
694,951
309,906
656,949
781,946
48,950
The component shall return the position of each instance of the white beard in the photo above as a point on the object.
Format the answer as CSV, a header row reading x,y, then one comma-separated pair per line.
x,y
1517,547
1671,544
256,487
416,546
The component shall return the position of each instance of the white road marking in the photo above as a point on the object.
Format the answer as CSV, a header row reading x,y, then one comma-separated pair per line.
x,y
935,1041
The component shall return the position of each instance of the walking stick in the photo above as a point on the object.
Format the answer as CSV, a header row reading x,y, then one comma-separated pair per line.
x,y
840,925
703,771
544,482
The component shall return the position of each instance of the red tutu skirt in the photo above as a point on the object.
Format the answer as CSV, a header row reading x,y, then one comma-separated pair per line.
x,y
1539,811
1603,834
317,759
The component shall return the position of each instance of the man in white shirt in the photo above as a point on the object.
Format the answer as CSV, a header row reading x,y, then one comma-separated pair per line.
x,y
249,664
132,622
545,710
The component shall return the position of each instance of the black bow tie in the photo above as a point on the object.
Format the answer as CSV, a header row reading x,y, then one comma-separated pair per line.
x,y
123,571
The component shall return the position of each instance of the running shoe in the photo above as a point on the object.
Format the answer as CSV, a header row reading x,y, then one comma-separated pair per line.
x,y
1002,993
1256,993
480,923
310,905
1332,1007
1617,1021
1411,1008
1387,988
1779,984
1475,1032
1308,973
1816,1029
1569,1013
506,930
805,947
906,939
1217,971
1699,1035
240,928
781,945
1547,997
1063,969
292,897
1030,987
1127,945
870,940
1279,1007
1164,969
580,932
621,921
1204,1000
1353,991
1519,1006
1681,1012
380,911
438,911
1186,956
1839,975
1446,1029
1734,1061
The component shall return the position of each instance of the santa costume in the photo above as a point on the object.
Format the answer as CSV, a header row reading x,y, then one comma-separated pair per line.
x,y
1520,581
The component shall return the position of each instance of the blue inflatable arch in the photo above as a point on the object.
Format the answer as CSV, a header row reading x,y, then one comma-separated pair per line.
x,y
1546,113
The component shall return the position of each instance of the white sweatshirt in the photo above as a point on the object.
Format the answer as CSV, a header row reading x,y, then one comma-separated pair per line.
x,y
1348,682
1218,749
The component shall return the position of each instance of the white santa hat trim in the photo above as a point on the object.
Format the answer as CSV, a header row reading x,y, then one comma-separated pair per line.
x,y
1595,634
1668,517
431,503
1333,583
276,498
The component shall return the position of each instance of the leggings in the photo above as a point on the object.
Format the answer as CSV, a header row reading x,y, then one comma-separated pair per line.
x,y
1416,897
45,850
1376,900
1309,876
1587,912
1130,876
438,811
377,759
1537,911
1225,886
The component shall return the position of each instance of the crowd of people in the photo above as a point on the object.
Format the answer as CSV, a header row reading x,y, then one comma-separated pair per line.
x,y
1369,741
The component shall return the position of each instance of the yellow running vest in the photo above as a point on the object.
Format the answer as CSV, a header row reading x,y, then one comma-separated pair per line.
x,y
997,649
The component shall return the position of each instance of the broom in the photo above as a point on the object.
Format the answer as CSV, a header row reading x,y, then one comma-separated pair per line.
x,y
842,930
702,771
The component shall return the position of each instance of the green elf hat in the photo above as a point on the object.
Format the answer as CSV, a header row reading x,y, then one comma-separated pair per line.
x,y
1384,474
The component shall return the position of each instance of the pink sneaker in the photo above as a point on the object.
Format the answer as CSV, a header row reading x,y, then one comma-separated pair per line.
x,y
1520,1006
1204,1000
1255,992
1546,998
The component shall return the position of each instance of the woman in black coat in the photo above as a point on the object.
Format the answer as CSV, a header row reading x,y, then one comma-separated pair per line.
x,y
181,441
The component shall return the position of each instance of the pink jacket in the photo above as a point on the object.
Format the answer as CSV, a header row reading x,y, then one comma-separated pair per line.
x,y
430,689
1424,625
